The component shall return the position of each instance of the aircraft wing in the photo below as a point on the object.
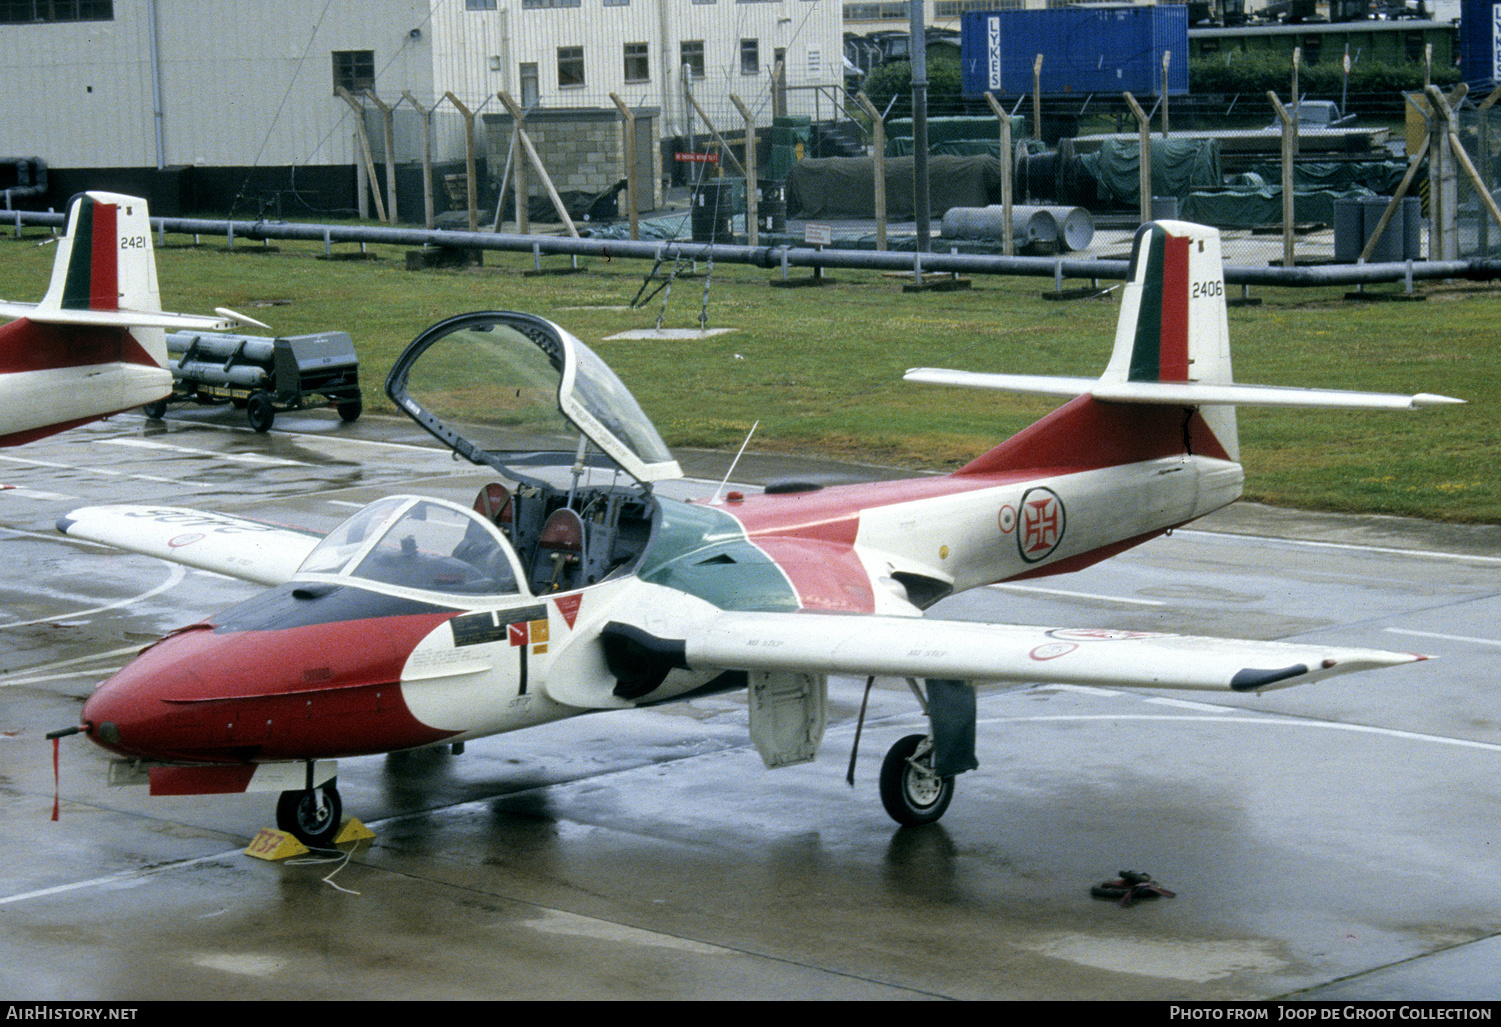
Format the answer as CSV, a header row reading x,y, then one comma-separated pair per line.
x,y
266,554
971,651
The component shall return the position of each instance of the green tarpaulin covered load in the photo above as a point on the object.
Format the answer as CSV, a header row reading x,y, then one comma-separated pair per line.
x,y
1179,166
1380,177
953,135
1233,208
845,186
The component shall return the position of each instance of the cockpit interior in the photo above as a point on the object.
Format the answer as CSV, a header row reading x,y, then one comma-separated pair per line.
x,y
581,454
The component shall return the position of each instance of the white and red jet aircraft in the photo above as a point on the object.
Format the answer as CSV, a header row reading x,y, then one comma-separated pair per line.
x,y
96,344
577,588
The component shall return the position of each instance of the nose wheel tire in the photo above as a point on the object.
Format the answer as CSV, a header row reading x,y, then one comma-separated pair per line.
x,y
312,817
910,791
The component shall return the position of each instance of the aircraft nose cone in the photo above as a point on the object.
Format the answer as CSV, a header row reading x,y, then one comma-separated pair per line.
x,y
132,713
117,715
282,677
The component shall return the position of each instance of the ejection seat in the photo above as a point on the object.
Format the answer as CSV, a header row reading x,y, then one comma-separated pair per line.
x,y
558,564
494,504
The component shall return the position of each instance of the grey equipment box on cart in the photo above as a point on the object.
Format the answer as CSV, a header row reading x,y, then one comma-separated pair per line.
x,y
264,375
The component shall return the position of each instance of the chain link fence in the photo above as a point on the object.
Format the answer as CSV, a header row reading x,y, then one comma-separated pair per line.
x,y
1288,183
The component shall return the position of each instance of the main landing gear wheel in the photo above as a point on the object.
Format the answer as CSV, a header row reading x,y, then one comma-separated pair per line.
x,y
312,817
156,411
910,791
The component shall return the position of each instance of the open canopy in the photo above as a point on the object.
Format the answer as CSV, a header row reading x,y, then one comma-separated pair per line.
x,y
525,389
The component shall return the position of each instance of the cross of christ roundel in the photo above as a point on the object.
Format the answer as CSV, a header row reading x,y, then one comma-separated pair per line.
x,y
1041,523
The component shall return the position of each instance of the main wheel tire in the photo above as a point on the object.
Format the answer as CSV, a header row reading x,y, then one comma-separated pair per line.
x,y
260,412
350,410
156,410
312,817
910,791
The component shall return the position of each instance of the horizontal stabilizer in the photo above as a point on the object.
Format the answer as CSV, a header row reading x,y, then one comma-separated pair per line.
x,y
1176,393
39,314
970,651
266,554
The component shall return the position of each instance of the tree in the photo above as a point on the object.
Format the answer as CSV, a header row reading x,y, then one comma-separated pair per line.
x,y
945,94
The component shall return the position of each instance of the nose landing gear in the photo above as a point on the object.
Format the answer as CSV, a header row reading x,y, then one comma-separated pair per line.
x,y
311,815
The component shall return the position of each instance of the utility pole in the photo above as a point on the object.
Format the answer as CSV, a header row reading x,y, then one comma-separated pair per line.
x,y
918,43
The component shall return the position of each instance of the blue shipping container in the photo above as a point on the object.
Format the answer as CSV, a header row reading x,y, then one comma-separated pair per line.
x,y
1480,44
1084,50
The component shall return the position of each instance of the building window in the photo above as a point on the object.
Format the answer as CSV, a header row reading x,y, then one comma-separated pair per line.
x,y
479,5
882,12
530,90
354,70
25,12
532,4
617,3
954,8
750,57
637,63
570,66
691,53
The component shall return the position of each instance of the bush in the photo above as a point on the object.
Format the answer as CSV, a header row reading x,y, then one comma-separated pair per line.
x,y
1256,73
945,93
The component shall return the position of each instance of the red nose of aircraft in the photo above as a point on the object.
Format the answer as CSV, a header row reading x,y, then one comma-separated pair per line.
x,y
242,689
148,709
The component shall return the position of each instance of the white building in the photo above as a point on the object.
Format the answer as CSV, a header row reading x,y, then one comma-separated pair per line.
x,y
154,87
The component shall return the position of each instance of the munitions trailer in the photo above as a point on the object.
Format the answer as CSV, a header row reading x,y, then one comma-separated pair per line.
x,y
263,375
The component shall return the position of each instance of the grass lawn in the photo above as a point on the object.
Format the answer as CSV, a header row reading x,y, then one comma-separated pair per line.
x,y
821,368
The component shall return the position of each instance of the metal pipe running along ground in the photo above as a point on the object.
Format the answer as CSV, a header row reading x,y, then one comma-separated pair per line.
x,y
795,256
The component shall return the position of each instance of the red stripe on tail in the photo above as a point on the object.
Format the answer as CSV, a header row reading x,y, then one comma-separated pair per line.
x,y
104,273
1173,352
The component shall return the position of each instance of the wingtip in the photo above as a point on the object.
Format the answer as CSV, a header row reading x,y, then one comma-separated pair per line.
x,y
236,319
1429,399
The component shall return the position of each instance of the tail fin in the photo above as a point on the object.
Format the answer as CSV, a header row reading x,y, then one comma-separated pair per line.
x,y
1173,325
1172,344
105,273
96,343
105,261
